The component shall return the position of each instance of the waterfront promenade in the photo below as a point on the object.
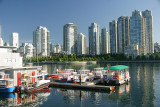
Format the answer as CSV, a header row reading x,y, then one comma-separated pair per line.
x,y
95,62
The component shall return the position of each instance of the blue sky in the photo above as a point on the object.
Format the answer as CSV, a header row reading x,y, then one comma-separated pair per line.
x,y
23,16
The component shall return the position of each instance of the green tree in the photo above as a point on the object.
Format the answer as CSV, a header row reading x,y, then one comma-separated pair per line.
x,y
102,58
109,57
157,56
151,57
130,57
143,57
138,57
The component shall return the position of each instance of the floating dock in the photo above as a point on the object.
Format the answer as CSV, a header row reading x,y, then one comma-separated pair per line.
x,y
82,87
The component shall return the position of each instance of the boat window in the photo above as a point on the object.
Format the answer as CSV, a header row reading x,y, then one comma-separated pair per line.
x,y
2,82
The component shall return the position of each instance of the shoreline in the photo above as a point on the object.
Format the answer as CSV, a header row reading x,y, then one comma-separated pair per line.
x,y
95,62
59,62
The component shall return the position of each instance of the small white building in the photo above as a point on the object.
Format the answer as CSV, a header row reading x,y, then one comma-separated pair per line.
x,y
8,57
57,48
26,50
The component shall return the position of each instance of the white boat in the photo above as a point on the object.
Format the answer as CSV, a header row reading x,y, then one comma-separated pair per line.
x,y
116,75
83,76
40,86
98,73
66,76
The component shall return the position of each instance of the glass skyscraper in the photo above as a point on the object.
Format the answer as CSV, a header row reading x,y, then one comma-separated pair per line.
x,y
123,33
113,36
94,41
147,15
137,31
70,38
81,44
41,41
105,41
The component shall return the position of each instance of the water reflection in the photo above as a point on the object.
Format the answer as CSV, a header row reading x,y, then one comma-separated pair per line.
x,y
72,97
15,99
143,89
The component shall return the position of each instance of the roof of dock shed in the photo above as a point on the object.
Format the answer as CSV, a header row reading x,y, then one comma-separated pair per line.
x,y
117,67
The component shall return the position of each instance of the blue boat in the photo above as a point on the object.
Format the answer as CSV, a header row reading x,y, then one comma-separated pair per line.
x,y
6,84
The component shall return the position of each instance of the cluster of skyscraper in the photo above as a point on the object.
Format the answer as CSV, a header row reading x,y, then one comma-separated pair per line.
x,y
132,36
129,35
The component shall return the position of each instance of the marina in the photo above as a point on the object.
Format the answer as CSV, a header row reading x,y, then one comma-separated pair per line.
x,y
121,95
36,85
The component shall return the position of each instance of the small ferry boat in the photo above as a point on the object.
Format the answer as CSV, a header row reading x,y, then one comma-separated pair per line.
x,y
6,84
98,73
40,86
59,73
116,75
54,75
65,76
83,76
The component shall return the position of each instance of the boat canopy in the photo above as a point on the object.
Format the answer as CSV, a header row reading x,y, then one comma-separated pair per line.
x,y
117,67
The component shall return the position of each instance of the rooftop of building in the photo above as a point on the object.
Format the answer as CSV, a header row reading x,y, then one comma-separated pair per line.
x,y
7,47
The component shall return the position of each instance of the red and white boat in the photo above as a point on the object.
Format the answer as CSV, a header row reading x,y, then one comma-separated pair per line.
x,y
40,86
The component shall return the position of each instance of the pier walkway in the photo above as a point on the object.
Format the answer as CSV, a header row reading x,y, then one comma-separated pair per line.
x,y
82,87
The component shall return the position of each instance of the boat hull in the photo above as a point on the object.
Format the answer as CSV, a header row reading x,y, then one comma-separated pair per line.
x,y
67,81
53,76
7,90
41,88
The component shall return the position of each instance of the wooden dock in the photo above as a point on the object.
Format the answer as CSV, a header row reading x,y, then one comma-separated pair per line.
x,y
82,87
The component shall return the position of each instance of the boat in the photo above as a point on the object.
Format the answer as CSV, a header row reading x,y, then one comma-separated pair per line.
x,y
54,75
44,73
40,86
116,75
59,73
98,73
66,76
6,84
83,76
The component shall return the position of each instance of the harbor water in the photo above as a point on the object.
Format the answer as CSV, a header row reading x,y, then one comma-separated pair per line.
x,y
142,91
